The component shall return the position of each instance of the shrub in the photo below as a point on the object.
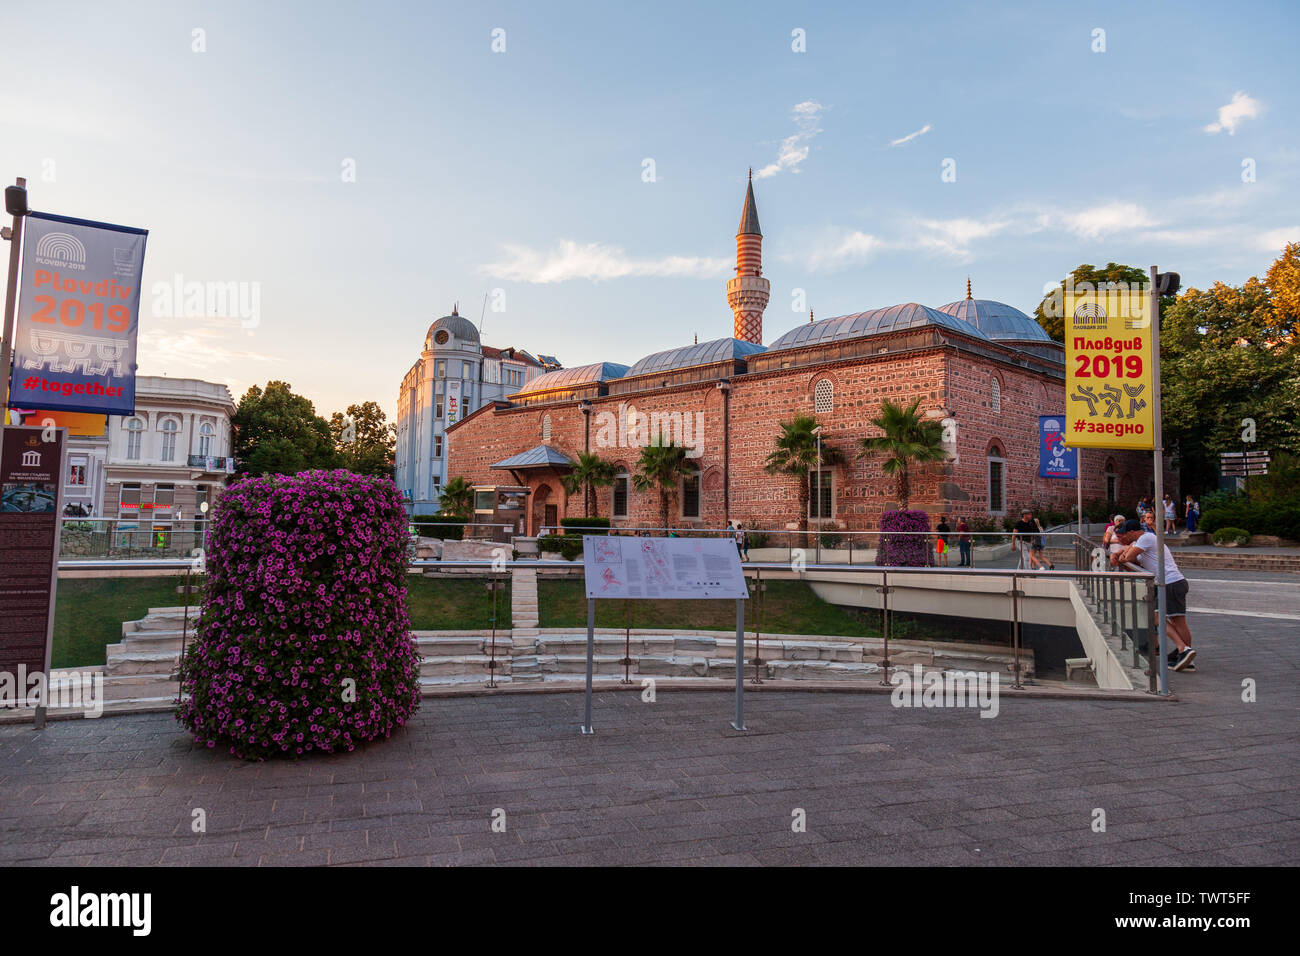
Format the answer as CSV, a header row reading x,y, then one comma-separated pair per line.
x,y
1231,536
1276,517
904,550
829,540
756,539
581,526
566,547
304,641
445,527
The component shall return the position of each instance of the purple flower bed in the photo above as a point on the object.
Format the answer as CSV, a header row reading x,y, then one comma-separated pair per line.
x,y
904,550
304,641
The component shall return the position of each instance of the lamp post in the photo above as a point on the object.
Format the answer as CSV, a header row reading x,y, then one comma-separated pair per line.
x,y
818,432
584,406
16,206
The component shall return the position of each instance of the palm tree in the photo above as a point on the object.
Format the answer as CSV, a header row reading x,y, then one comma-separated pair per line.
x,y
458,498
909,438
589,473
658,469
796,454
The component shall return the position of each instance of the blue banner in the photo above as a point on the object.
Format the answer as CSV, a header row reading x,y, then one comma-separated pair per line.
x,y
78,316
1055,458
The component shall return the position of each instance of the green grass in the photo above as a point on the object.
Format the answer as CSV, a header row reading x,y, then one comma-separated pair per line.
x,y
789,607
455,604
88,613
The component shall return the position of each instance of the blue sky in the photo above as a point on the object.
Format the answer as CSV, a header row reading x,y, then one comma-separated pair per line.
x,y
522,170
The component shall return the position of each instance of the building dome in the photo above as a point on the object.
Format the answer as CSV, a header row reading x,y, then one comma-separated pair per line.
x,y
571,378
457,327
701,353
997,320
895,318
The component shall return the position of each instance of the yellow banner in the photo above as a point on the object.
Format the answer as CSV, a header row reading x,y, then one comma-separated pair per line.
x,y
1108,371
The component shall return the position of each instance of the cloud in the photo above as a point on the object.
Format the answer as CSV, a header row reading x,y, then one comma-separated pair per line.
x,y
198,345
952,237
844,248
1097,222
1275,239
795,149
911,136
1241,108
596,261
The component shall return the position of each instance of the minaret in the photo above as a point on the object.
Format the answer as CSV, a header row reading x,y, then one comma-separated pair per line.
x,y
748,292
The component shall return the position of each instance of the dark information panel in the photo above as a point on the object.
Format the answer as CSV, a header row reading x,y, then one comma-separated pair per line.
x,y
31,501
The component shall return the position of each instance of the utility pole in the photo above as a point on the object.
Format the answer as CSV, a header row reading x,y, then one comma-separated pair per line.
x,y
16,206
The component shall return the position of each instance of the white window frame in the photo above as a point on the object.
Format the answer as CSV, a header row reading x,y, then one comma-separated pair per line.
x,y
826,472
135,429
988,480
626,479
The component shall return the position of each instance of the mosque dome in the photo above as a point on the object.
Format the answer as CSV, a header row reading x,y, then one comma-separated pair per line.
x,y
577,377
701,353
895,318
997,320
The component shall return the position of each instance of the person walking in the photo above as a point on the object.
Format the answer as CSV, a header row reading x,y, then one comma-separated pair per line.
x,y
941,543
1140,547
1028,538
963,542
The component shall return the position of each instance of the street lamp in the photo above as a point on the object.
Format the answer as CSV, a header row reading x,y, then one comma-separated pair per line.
x,y
818,432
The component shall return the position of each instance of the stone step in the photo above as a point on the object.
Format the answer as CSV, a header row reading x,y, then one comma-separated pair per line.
x,y
123,660
466,665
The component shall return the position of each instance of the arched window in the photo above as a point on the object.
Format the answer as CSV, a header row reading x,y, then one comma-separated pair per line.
x,y
997,479
206,433
691,495
1112,491
134,432
546,428
824,397
169,429
996,399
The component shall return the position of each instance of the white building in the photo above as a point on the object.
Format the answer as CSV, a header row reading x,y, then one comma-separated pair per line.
x,y
455,375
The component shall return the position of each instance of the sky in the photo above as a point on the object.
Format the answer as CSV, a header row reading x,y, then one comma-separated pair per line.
x,y
573,174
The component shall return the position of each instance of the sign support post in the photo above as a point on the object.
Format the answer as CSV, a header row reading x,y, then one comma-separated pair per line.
x,y
11,298
740,666
1159,502
591,654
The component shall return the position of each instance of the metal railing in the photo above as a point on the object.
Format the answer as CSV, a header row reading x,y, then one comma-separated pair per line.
x,y
1114,594
132,536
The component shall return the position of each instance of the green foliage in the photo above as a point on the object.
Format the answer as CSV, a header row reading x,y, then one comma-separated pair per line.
x,y
458,497
659,469
908,439
1054,324
795,454
1231,536
363,441
756,539
583,526
1280,517
568,548
590,472
278,432
443,527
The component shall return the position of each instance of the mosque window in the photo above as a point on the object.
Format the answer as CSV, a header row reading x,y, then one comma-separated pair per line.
x,y
996,400
546,428
824,397
691,495
997,481
620,495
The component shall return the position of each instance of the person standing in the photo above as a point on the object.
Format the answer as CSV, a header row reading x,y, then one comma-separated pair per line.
x,y
963,542
1192,510
1171,515
941,544
1140,547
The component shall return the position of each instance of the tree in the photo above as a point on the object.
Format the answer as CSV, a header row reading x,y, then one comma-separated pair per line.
x,y
278,432
795,454
589,473
908,438
363,440
1054,325
1227,357
1283,281
458,498
659,469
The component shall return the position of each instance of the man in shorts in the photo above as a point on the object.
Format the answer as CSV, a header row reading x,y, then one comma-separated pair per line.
x,y
1140,547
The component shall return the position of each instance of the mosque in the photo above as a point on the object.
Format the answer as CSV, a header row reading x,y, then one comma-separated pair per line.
x,y
984,367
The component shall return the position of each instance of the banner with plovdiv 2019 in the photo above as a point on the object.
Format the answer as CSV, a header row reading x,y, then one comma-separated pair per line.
x,y
78,315
1108,368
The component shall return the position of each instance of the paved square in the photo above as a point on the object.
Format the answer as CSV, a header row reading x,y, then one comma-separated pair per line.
x,y
1208,779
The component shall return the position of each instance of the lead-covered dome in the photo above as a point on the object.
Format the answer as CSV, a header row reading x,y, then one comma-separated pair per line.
x,y
997,320
895,318
569,378
701,353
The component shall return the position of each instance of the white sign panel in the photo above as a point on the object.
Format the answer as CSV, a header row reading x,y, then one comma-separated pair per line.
x,y
664,568
451,411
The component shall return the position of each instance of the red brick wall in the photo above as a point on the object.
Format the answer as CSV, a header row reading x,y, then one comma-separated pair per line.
x,y
945,379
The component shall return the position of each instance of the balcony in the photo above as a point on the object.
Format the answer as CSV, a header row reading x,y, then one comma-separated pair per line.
x,y
224,466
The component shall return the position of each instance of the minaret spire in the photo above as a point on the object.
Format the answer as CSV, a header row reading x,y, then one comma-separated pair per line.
x,y
968,287
748,292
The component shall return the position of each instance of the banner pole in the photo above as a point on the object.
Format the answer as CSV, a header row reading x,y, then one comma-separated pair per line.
x,y
11,297
1158,504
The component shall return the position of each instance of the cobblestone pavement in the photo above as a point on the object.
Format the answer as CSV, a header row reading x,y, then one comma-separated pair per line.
x,y
1208,779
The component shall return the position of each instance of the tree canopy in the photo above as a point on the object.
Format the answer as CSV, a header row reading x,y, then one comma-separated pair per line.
x,y
1054,325
278,432
363,440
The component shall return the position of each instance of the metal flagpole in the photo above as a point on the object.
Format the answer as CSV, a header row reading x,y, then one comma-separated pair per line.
x,y
1158,454
11,297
